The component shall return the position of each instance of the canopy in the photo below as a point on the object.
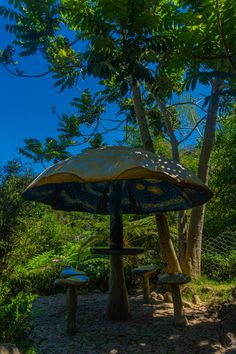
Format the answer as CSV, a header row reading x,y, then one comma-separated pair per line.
x,y
149,183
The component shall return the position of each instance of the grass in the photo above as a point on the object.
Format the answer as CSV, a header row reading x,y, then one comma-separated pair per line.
x,y
209,291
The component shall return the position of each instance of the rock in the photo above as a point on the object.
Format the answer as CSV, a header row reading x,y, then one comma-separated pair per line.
x,y
8,348
113,351
165,306
228,329
188,305
231,350
157,296
196,300
160,297
206,289
153,295
168,297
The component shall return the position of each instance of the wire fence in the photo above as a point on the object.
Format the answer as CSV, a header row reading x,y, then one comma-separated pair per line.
x,y
219,256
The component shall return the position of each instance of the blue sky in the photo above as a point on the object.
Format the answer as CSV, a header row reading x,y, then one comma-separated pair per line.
x,y
25,105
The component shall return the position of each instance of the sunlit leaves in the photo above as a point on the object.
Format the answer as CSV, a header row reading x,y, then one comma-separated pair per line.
x,y
65,63
52,149
89,107
96,141
6,56
33,22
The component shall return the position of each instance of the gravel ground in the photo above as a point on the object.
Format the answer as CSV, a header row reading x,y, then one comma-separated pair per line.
x,y
149,331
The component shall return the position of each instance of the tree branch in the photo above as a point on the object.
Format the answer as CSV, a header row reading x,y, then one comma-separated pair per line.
x,y
28,76
186,102
190,133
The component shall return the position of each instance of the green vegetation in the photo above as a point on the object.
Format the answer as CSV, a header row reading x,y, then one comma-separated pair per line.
x,y
208,290
43,241
15,317
149,69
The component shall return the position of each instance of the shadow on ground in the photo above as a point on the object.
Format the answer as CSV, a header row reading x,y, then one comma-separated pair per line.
x,y
149,331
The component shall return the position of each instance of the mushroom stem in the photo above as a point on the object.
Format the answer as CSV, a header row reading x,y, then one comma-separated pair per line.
x,y
118,302
179,316
72,309
146,289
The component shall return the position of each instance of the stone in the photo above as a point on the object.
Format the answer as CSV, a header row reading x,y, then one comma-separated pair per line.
x,y
168,297
165,306
228,328
188,305
8,348
231,350
160,297
113,351
196,299
153,294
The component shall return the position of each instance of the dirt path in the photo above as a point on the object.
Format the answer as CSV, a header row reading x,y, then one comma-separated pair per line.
x,y
149,331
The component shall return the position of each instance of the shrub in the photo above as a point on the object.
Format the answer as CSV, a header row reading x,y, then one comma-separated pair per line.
x,y
15,317
219,267
97,268
36,281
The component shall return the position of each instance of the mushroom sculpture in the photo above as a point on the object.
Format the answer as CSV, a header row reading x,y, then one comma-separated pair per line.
x,y
145,271
72,283
174,280
116,180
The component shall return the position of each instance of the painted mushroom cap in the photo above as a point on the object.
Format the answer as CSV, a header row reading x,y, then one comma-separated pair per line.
x,y
145,269
150,183
76,280
70,271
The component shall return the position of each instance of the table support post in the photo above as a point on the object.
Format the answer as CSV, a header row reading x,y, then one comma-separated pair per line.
x,y
118,302
72,309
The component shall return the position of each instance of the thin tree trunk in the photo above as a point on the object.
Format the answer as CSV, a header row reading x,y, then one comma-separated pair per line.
x,y
141,117
192,263
182,235
167,249
182,215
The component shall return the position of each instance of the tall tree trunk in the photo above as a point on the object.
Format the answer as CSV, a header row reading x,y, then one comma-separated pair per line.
x,y
166,246
192,262
182,215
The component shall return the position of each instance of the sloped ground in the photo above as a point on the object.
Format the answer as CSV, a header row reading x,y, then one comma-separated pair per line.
x,y
149,330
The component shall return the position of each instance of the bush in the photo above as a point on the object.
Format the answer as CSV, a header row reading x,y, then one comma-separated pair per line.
x,y
36,281
97,269
219,267
15,317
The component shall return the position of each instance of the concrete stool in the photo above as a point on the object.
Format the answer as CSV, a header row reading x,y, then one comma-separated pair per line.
x,y
145,272
72,283
174,280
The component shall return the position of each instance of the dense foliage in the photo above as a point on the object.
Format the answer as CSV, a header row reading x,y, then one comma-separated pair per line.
x,y
148,59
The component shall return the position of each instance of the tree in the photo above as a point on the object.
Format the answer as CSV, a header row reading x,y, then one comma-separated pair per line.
x,y
135,58
12,206
222,179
